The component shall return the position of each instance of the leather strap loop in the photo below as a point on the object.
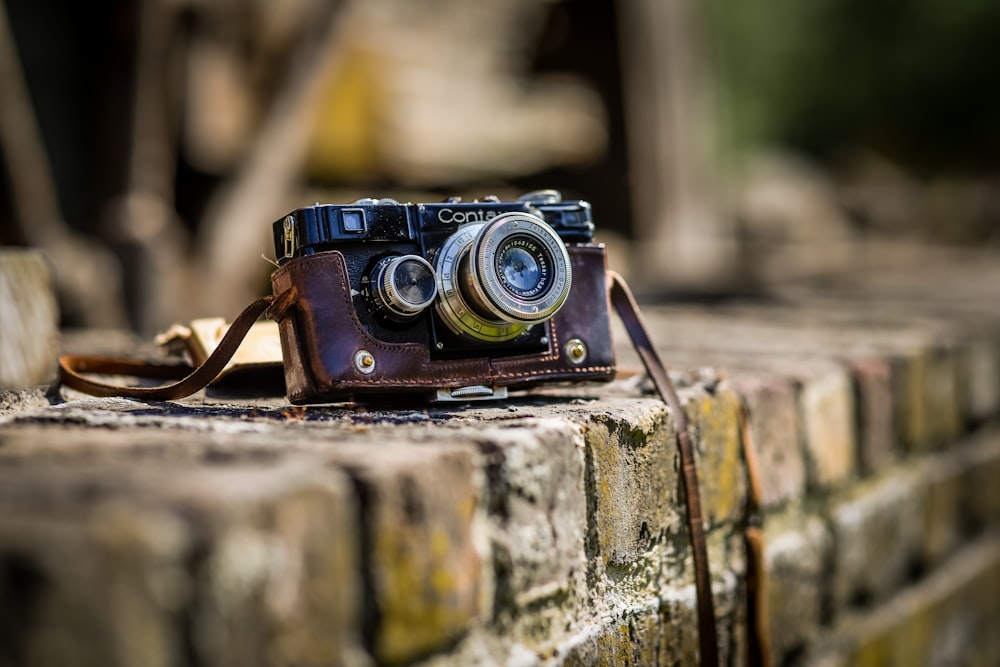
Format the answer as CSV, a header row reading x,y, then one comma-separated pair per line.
x,y
628,310
281,304
189,380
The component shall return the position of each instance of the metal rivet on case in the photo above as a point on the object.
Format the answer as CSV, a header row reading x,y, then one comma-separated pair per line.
x,y
364,361
576,351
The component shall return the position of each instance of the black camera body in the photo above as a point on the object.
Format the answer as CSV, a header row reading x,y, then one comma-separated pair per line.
x,y
518,284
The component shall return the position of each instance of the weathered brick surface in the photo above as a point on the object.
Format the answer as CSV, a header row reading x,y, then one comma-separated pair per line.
x,y
251,566
277,566
876,530
774,429
537,509
945,477
657,627
878,437
980,491
646,636
418,548
950,618
543,530
931,414
930,399
798,558
633,477
715,415
828,420
981,374
70,599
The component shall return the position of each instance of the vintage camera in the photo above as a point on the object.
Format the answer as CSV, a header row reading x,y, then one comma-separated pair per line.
x,y
456,299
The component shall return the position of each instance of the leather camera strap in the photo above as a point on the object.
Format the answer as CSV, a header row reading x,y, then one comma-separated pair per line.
x,y
628,310
758,637
188,379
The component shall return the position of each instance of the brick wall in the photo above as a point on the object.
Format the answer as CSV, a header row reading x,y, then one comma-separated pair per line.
x,y
545,530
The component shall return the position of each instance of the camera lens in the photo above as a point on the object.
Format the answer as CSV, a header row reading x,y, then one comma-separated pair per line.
x,y
498,278
402,287
520,271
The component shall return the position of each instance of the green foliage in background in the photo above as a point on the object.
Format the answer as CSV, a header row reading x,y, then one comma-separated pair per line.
x,y
915,80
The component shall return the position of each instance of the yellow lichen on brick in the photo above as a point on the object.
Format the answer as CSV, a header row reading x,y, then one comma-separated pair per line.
x,y
634,483
428,594
721,474
425,568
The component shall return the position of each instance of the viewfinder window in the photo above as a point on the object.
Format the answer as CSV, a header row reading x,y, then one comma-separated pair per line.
x,y
353,220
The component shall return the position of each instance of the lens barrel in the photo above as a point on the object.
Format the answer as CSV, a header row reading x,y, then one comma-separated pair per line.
x,y
402,286
500,277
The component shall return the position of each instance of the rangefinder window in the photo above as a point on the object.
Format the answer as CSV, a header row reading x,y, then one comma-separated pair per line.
x,y
353,221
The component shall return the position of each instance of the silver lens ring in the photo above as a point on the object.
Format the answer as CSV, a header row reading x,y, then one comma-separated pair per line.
x,y
452,306
521,269
405,285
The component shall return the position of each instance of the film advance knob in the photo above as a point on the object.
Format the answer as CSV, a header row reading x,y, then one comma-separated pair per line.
x,y
405,285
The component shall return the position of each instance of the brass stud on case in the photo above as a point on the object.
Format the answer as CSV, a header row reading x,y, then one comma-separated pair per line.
x,y
576,351
364,362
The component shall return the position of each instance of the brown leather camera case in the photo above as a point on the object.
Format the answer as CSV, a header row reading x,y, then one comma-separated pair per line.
x,y
321,337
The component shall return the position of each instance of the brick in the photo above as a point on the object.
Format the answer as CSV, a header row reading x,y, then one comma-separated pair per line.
x,y
930,408
944,395
538,510
981,492
651,634
980,369
827,405
547,529
278,564
631,639
659,630
773,420
909,380
30,318
877,537
797,552
945,477
418,505
109,596
718,443
878,440
632,481
137,558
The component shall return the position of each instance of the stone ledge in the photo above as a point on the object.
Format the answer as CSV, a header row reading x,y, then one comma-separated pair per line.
x,y
546,529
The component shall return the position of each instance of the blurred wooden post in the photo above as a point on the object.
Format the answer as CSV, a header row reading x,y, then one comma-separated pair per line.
x,y
86,275
29,317
237,226
683,242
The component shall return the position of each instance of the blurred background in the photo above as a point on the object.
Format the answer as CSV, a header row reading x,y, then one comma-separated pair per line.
x,y
147,145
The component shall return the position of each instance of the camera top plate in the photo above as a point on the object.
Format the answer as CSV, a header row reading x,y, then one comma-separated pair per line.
x,y
326,226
